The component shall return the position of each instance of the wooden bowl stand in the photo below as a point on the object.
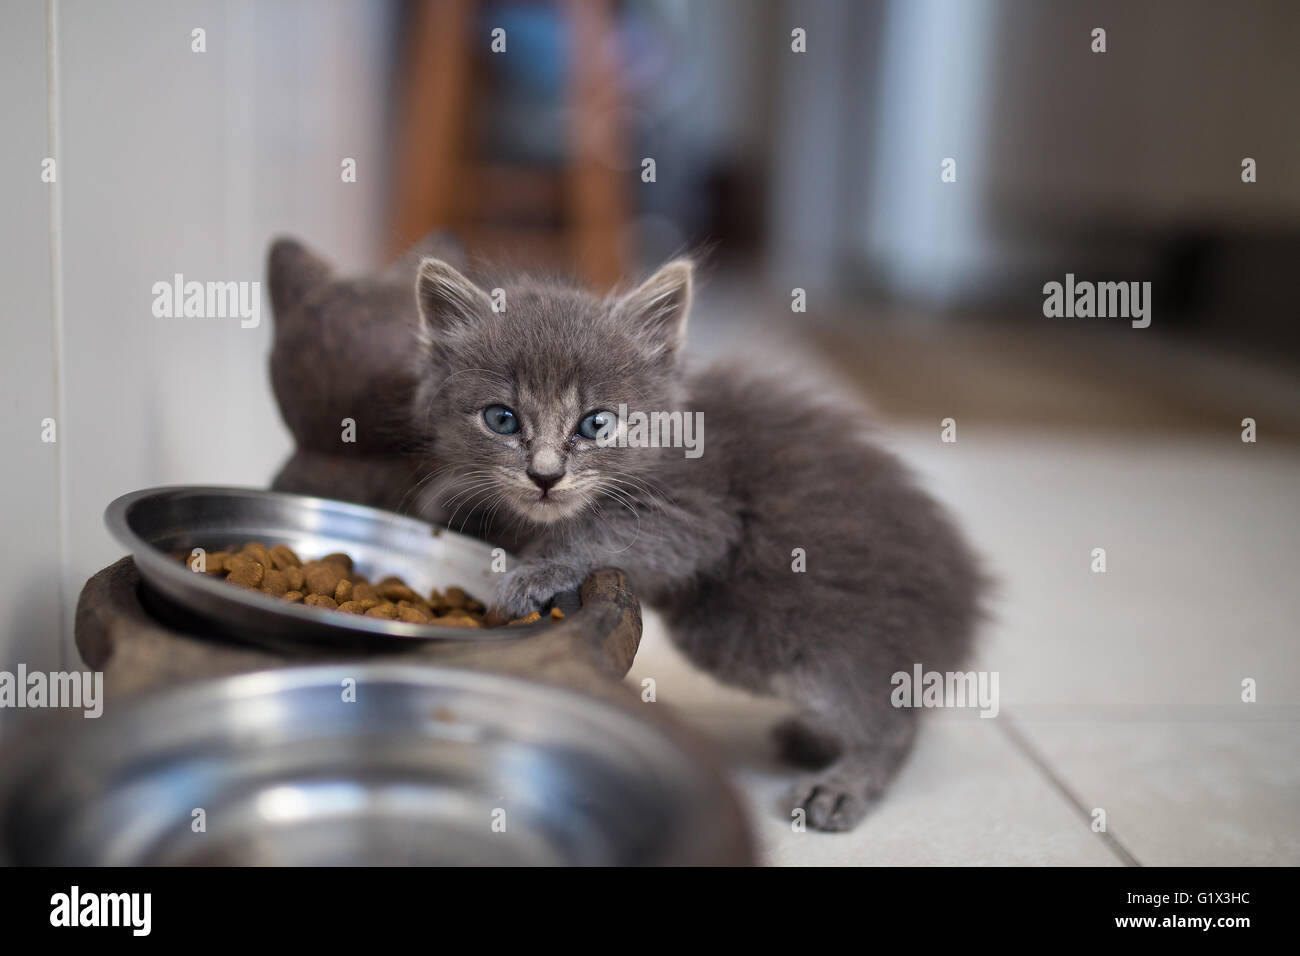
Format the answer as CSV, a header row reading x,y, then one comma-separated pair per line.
x,y
590,650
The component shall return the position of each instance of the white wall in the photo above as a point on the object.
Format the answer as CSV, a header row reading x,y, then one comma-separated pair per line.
x,y
168,161
29,505
1061,150
1152,131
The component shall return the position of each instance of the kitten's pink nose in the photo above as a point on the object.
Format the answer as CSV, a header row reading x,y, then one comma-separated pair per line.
x,y
544,481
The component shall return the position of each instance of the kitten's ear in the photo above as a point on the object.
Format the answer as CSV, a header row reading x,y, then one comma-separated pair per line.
x,y
292,270
658,307
446,298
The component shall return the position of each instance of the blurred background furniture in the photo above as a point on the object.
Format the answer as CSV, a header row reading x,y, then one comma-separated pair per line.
x,y
507,198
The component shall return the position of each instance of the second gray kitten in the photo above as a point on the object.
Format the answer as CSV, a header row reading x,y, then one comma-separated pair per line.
x,y
518,400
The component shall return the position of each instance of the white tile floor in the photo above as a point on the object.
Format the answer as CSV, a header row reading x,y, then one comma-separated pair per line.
x,y
1120,691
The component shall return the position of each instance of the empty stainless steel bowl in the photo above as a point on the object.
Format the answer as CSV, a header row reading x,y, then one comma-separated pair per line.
x,y
156,522
424,766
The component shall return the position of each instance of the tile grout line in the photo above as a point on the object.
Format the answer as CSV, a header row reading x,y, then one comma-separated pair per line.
x,y
1021,742
56,308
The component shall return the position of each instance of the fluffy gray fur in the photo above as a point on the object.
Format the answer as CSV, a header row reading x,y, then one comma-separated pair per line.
x,y
708,541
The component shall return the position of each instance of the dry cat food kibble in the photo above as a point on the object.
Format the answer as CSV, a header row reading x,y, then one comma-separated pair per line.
x,y
331,582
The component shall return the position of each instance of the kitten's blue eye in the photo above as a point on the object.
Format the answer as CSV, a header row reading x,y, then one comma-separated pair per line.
x,y
596,424
501,419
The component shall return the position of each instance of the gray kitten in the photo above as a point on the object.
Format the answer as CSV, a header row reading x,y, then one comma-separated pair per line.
x,y
525,401
342,351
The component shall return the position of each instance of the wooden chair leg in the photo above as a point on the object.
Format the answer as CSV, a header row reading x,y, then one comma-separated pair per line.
x,y
597,191
432,125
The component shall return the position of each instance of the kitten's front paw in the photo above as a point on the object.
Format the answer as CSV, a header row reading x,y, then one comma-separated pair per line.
x,y
530,587
833,801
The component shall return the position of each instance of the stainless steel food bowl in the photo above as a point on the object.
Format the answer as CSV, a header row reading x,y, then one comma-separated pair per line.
x,y
426,766
157,522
